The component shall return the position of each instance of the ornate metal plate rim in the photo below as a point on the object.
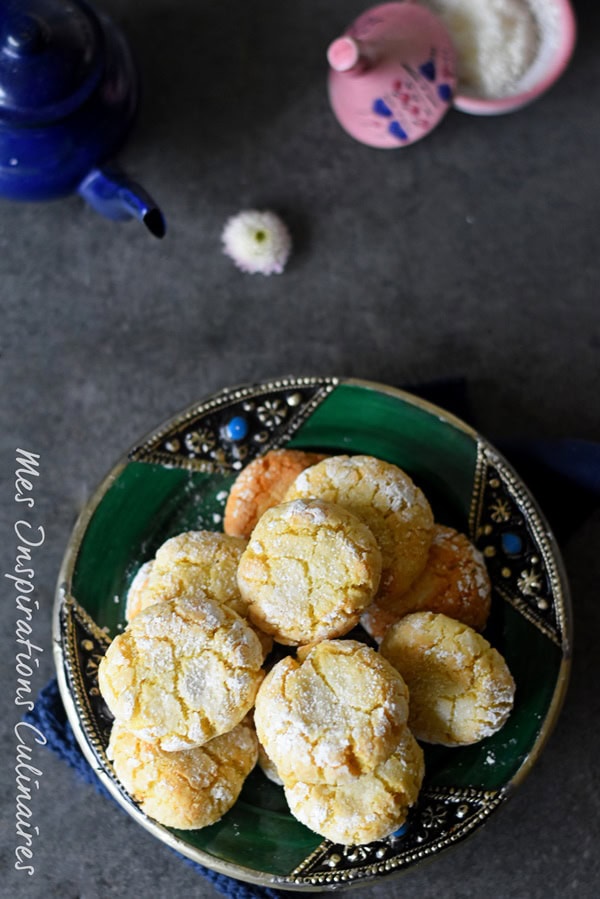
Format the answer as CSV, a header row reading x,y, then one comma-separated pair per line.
x,y
488,800
147,449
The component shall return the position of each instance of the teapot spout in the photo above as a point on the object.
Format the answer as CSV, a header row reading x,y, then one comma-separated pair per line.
x,y
111,193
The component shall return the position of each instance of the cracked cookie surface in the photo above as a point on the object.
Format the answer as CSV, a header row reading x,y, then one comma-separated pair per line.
x,y
184,671
206,560
309,571
261,485
461,689
367,808
454,581
188,789
336,715
386,499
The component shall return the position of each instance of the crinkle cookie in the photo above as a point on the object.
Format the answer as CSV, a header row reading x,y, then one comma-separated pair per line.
x,y
206,560
385,498
455,582
136,600
460,687
366,808
183,671
335,716
309,571
188,789
268,767
261,485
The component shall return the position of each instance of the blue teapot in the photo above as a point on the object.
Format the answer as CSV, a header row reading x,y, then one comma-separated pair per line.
x,y
68,95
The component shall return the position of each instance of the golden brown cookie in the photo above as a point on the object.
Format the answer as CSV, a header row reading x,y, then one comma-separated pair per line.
x,y
136,600
455,582
366,808
385,498
188,789
268,767
184,671
204,560
261,485
460,687
309,571
335,716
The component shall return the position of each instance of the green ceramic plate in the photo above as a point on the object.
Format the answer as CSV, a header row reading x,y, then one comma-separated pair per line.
x,y
177,479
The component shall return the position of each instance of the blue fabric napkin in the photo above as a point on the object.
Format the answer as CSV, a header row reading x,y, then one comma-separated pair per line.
x,y
563,475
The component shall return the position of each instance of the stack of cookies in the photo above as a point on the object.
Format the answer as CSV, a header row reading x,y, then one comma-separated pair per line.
x,y
313,546
180,681
334,727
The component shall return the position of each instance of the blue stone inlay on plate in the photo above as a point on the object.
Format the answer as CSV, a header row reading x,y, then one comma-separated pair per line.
x,y
512,544
236,429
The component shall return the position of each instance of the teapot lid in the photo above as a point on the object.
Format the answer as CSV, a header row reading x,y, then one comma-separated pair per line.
x,y
50,58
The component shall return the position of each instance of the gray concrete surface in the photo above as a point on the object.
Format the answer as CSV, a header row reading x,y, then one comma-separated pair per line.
x,y
473,253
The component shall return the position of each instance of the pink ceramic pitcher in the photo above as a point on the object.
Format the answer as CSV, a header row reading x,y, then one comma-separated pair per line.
x,y
392,75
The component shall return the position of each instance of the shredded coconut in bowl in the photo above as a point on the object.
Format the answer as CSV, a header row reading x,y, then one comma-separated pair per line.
x,y
496,42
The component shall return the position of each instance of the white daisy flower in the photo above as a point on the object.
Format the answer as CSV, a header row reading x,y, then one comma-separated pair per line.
x,y
257,242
